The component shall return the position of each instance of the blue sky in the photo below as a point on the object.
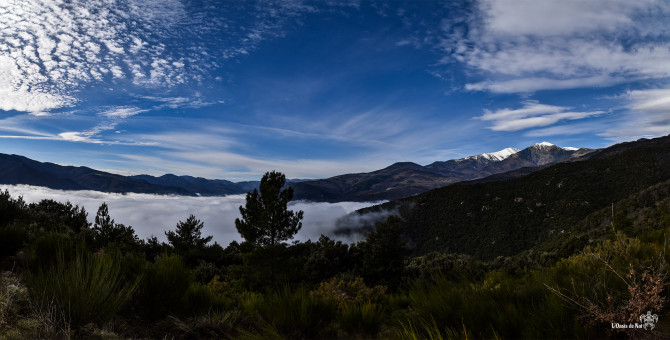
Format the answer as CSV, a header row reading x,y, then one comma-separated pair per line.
x,y
232,89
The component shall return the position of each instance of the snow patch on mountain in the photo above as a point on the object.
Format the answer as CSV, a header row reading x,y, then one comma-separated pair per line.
x,y
543,145
548,145
497,156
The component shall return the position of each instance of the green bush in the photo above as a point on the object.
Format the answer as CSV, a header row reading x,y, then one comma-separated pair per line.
x,y
511,307
199,300
429,330
292,314
364,317
614,281
358,306
206,271
226,292
12,238
345,290
50,215
164,286
10,209
48,249
88,288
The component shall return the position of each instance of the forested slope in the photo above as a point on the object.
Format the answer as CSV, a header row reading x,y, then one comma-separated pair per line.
x,y
507,217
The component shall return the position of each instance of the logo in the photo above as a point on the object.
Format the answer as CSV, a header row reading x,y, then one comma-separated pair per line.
x,y
649,320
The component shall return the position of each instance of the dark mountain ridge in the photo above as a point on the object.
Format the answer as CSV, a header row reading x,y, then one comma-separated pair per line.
x,y
396,181
506,217
21,170
194,185
406,179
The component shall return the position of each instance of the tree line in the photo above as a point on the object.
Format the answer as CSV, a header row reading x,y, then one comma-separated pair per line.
x,y
65,277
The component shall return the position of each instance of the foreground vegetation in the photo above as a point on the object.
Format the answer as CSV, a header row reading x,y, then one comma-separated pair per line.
x,y
63,277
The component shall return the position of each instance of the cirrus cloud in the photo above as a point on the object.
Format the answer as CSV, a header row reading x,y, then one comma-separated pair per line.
x,y
532,114
647,114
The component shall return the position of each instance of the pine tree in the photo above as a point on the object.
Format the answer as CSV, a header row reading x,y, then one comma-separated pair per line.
x,y
188,235
107,231
266,220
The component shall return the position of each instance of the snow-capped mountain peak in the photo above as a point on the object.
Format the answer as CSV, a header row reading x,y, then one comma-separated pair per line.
x,y
543,145
497,156
547,145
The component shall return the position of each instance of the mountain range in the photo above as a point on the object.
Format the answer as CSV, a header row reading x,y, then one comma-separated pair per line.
x,y
396,181
406,179
549,213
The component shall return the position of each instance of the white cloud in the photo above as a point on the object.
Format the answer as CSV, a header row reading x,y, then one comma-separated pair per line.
x,y
56,47
77,137
647,114
230,151
527,45
122,112
568,129
111,117
233,166
49,48
551,18
532,114
531,84
654,101
530,108
16,78
194,102
154,214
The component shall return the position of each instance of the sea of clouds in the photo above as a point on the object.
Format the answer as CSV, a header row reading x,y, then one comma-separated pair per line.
x,y
154,214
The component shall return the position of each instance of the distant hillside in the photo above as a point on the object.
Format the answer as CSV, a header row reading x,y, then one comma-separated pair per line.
x,y
406,179
21,170
195,185
510,216
396,181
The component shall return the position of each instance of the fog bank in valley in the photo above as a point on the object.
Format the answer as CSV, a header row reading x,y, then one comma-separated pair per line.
x,y
154,214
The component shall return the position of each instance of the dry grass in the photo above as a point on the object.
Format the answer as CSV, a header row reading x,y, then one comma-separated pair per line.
x,y
626,280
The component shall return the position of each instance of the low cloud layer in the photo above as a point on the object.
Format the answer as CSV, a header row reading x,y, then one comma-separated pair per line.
x,y
154,214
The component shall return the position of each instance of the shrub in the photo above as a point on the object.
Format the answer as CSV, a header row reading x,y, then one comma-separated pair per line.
x,y
619,280
206,271
429,330
384,251
88,288
212,325
361,317
358,308
165,284
55,216
198,299
293,315
10,209
513,307
226,292
345,290
13,294
325,259
12,238
48,249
